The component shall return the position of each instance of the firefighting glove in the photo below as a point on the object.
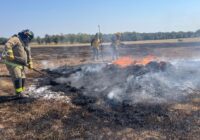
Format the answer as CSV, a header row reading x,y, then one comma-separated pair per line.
x,y
30,65
10,55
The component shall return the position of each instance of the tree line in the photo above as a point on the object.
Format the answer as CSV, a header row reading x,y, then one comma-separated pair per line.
x,y
125,36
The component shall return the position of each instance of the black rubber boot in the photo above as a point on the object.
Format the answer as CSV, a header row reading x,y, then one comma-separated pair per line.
x,y
23,83
18,86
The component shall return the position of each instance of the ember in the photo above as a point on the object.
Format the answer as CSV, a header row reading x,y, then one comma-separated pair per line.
x,y
146,60
128,61
124,61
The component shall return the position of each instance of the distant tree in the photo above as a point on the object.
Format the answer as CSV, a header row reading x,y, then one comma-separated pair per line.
x,y
126,36
197,33
39,40
2,40
72,38
61,38
55,39
47,39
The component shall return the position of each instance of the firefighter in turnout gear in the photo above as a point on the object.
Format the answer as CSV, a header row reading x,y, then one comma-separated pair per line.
x,y
115,45
95,44
17,54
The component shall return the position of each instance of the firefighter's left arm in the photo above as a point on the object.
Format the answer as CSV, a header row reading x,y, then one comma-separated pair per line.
x,y
29,58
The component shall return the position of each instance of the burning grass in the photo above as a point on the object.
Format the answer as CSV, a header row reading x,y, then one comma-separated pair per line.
x,y
105,101
128,61
124,61
100,114
91,114
153,82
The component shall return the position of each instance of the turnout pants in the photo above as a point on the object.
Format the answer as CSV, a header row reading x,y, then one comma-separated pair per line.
x,y
95,53
18,77
115,53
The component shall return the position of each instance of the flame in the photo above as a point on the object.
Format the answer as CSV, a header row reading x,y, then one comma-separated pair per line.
x,y
126,61
146,60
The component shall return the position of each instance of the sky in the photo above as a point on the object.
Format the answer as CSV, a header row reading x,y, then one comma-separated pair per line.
x,y
84,16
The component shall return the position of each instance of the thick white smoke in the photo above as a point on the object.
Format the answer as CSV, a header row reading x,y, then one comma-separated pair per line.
x,y
173,84
46,64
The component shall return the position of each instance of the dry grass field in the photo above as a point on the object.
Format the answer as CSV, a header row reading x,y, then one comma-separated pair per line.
x,y
28,119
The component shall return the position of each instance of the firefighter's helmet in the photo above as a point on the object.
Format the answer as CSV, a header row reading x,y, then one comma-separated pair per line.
x,y
26,35
118,34
96,35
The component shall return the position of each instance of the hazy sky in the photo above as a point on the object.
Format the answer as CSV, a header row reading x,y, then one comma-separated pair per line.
x,y
83,16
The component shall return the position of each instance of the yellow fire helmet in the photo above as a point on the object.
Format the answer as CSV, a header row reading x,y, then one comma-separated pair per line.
x,y
118,34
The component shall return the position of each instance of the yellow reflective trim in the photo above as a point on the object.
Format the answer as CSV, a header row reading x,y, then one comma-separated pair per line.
x,y
11,51
12,64
12,57
20,67
19,90
23,88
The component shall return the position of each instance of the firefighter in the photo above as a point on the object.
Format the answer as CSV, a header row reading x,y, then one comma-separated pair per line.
x,y
115,45
95,44
18,55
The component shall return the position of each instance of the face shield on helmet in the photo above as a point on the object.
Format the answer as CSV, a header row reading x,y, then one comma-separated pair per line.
x,y
26,36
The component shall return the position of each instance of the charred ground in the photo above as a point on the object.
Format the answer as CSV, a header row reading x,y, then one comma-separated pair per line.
x,y
82,118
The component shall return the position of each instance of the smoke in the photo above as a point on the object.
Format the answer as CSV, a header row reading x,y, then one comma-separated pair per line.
x,y
138,84
62,80
47,64
173,84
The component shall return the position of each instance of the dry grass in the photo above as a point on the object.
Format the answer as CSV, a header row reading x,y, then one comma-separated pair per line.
x,y
39,119
31,119
6,86
183,40
51,120
186,107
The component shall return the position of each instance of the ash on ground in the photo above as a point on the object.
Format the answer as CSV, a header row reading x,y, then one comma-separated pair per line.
x,y
156,82
136,97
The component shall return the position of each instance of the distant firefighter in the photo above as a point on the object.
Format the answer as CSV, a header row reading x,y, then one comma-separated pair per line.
x,y
95,44
116,43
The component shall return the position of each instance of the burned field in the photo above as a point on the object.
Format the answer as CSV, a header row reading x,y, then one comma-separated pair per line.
x,y
155,100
